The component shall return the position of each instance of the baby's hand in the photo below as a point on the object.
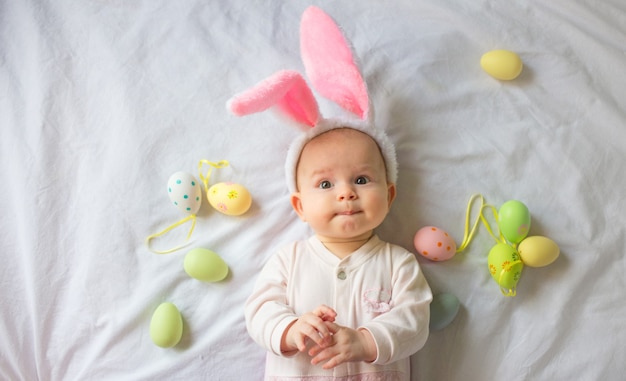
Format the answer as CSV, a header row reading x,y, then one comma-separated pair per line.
x,y
311,325
347,345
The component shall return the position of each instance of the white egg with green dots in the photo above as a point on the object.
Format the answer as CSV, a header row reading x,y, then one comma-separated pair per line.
x,y
185,192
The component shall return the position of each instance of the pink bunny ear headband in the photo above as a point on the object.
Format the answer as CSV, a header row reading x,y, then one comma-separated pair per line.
x,y
333,72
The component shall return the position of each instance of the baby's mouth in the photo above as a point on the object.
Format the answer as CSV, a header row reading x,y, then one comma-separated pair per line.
x,y
348,212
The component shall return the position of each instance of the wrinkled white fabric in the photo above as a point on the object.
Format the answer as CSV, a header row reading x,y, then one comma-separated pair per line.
x,y
101,101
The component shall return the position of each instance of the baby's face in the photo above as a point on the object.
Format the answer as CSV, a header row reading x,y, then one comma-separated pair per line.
x,y
343,192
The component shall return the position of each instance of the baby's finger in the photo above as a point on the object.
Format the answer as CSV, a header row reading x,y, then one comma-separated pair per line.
x,y
299,340
333,362
321,339
325,313
328,357
316,350
332,327
314,330
320,332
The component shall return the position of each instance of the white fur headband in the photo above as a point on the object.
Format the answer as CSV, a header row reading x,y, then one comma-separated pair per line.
x,y
333,72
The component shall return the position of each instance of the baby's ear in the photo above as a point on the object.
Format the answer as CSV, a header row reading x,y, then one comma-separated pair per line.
x,y
296,203
391,193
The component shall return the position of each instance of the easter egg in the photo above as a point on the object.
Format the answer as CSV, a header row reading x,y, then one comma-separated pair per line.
x,y
229,198
185,192
514,221
443,310
505,266
434,244
538,251
166,326
501,64
205,265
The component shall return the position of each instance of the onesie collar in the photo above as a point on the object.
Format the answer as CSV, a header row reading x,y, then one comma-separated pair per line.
x,y
358,257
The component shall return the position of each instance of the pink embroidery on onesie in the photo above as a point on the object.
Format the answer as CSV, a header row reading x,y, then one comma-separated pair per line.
x,y
377,300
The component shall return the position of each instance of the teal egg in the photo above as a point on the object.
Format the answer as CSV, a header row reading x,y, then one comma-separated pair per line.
x,y
443,310
514,221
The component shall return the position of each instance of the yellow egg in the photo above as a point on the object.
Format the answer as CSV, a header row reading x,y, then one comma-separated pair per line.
x,y
229,198
538,251
501,64
166,326
205,265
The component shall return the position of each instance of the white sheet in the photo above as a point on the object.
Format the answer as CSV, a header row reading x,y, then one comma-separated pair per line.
x,y
101,101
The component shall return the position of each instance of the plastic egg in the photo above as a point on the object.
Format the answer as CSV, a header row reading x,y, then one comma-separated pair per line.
x,y
166,326
538,251
501,64
205,265
443,310
505,266
229,198
514,221
434,244
185,192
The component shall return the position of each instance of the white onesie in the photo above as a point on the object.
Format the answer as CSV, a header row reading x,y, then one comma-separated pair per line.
x,y
379,287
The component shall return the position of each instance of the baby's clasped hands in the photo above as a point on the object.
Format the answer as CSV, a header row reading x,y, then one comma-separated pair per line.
x,y
310,325
348,345
334,344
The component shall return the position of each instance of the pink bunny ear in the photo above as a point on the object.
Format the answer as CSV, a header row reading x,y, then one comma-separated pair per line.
x,y
285,89
329,63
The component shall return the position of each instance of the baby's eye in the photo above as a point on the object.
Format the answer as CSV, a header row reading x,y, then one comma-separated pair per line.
x,y
361,180
325,184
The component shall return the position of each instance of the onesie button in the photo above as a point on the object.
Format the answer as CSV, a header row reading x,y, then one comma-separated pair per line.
x,y
341,275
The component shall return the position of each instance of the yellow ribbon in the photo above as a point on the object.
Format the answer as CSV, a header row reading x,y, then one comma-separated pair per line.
x,y
510,291
468,234
191,217
205,178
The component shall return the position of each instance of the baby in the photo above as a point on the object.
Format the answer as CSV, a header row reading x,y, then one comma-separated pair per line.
x,y
342,305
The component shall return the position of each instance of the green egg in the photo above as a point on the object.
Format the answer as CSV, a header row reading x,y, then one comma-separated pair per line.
x,y
205,265
505,267
514,221
166,326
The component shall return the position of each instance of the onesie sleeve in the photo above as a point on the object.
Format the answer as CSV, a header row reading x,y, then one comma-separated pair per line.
x,y
266,310
403,330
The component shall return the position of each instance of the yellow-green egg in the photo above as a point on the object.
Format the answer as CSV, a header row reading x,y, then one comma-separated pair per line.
x,y
502,64
229,198
505,267
166,326
205,265
538,251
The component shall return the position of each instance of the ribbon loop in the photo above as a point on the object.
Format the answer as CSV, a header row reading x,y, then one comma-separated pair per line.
x,y
205,178
191,217
469,233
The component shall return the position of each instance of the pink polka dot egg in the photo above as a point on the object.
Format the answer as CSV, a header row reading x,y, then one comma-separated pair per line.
x,y
434,243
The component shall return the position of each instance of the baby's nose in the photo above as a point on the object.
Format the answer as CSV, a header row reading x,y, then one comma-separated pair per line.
x,y
346,193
